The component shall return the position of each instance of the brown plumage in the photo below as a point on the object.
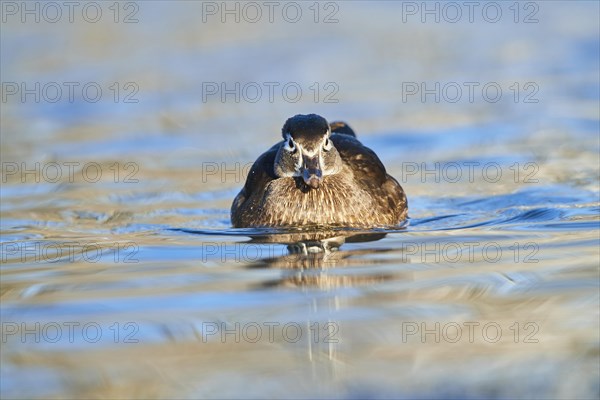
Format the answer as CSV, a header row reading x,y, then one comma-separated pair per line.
x,y
319,175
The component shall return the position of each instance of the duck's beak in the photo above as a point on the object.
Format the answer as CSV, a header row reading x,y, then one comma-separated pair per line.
x,y
311,171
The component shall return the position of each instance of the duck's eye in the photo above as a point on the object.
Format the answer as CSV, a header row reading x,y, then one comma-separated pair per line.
x,y
291,146
327,144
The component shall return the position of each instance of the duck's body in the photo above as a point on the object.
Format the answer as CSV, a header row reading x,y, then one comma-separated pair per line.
x,y
320,175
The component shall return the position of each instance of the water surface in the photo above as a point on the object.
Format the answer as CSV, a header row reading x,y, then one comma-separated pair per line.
x,y
135,284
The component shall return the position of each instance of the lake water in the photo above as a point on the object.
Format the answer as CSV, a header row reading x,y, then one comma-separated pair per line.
x,y
124,143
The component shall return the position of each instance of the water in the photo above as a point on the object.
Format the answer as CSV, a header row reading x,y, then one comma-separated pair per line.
x,y
134,284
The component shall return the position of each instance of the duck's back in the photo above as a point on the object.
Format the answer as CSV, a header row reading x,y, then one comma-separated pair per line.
x,y
370,174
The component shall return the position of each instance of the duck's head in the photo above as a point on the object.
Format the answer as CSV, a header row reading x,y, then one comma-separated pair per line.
x,y
307,150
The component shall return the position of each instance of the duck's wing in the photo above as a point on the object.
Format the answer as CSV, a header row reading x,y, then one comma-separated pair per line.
x,y
341,128
370,172
261,173
363,161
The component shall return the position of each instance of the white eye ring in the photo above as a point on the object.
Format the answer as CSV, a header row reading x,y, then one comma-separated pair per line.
x,y
289,144
327,144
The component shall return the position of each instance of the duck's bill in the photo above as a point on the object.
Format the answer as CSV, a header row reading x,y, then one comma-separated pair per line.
x,y
312,173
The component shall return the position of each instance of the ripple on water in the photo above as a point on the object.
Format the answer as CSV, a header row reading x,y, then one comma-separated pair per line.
x,y
514,255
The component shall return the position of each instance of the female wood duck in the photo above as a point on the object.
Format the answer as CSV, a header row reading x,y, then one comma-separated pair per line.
x,y
319,175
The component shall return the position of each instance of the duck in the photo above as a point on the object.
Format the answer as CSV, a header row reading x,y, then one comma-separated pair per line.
x,y
319,175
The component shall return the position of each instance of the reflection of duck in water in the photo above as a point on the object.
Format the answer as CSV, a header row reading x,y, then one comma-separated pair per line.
x,y
320,174
314,258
